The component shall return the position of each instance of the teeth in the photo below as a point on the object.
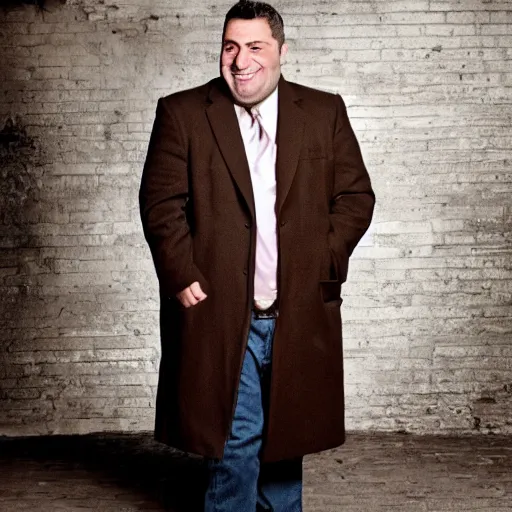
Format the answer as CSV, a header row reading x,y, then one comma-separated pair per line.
x,y
245,76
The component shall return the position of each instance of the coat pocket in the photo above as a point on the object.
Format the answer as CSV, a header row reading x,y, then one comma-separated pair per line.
x,y
314,153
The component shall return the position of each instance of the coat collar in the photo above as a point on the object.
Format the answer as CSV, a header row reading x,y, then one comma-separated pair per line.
x,y
290,130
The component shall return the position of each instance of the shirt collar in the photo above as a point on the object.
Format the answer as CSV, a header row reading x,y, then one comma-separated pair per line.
x,y
268,109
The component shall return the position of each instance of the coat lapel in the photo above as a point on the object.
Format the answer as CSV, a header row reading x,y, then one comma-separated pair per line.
x,y
224,123
290,132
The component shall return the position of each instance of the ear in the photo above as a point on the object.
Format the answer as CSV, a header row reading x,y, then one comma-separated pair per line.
x,y
284,51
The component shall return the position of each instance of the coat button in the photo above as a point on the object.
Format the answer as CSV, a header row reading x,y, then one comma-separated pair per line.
x,y
247,225
282,223
245,271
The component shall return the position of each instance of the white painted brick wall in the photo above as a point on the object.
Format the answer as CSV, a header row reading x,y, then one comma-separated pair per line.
x,y
428,307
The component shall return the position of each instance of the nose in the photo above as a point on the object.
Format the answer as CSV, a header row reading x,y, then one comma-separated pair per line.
x,y
241,60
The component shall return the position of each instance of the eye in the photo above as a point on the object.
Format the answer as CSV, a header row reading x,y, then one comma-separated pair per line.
x,y
255,48
228,49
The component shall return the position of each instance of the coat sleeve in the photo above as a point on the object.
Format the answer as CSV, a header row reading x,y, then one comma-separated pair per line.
x,y
163,197
352,199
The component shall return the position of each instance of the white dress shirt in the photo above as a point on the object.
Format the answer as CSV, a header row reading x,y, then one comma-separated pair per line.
x,y
263,178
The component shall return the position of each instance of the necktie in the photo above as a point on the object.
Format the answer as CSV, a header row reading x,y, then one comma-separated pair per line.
x,y
261,153
259,141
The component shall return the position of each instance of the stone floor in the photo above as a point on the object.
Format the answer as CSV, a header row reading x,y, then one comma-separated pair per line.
x,y
371,472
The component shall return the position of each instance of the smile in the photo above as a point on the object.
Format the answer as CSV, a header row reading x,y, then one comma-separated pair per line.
x,y
245,77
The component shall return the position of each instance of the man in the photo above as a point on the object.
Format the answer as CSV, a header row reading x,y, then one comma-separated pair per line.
x,y
253,196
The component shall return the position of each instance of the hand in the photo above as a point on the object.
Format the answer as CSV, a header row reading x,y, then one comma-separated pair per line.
x,y
191,295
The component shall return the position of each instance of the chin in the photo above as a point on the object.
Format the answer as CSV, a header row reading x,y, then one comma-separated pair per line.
x,y
251,97
243,99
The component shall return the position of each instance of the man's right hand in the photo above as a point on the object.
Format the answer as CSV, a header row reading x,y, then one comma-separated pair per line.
x,y
191,295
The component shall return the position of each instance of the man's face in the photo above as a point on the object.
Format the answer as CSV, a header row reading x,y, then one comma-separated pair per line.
x,y
250,61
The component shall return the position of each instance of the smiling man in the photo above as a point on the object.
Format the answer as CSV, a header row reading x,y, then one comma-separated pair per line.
x,y
254,195
251,59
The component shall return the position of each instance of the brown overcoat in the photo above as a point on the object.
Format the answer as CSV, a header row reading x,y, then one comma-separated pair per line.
x,y
198,216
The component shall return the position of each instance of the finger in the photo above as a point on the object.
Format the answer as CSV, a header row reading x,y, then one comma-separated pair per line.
x,y
186,297
197,291
190,298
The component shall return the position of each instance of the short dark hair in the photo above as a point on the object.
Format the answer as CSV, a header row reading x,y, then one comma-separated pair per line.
x,y
248,10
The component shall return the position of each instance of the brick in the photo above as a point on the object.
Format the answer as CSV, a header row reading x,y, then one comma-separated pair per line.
x,y
48,73
501,17
363,55
85,60
494,29
423,18
402,227
450,30
475,6
51,61
461,17
84,73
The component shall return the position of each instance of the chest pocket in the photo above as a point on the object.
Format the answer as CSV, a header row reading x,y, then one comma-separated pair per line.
x,y
315,152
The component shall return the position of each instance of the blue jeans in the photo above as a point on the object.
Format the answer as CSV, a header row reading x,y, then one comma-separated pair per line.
x,y
238,482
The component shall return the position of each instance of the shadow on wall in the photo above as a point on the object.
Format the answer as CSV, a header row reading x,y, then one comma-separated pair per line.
x,y
21,170
22,162
42,4
138,465
23,206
